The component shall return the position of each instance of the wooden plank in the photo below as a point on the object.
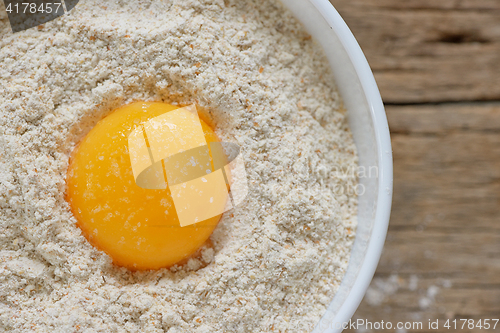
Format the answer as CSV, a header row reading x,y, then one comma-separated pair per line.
x,y
429,51
442,255
444,119
443,252
430,4
446,157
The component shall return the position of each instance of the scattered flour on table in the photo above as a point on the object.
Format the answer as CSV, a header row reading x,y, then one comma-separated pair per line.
x,y
277,260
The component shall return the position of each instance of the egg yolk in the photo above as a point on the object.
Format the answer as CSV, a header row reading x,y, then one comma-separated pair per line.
x,y
137,227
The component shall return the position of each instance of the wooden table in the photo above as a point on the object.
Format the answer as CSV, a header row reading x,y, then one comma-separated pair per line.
x,y
437,63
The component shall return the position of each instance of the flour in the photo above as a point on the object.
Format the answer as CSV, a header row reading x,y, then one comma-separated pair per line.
x,y
277,260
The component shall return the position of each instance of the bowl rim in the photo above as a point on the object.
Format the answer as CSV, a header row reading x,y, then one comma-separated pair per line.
x,y
385,162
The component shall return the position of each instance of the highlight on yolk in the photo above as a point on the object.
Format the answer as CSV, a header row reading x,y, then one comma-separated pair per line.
x,y
139,228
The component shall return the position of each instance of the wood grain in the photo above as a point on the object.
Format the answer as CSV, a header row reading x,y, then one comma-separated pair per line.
x,y
425,51
437,64
444,233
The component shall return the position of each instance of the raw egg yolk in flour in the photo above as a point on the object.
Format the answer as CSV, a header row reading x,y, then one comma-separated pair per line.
x,y
137,227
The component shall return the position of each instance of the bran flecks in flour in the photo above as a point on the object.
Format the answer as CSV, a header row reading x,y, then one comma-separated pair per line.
x,y
277,259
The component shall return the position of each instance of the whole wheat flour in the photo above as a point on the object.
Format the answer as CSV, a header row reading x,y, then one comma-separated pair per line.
x,y
277,259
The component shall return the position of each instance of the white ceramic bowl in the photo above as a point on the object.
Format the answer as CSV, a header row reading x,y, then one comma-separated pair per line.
x,y
368,123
